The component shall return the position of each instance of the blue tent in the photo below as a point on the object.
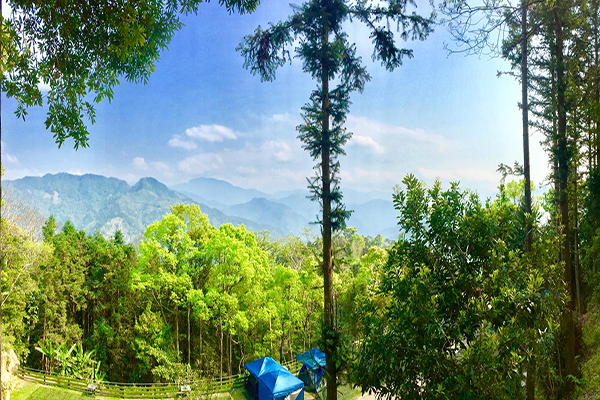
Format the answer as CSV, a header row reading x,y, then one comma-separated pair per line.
x,y
313,366
262,366
279,384
274,381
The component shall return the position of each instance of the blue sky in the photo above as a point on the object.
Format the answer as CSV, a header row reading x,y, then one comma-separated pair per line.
x,y
202,114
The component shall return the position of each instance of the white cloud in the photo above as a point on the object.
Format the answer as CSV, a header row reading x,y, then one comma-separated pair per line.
x,y
200,163
140,164
285,118
9,158
162,168
6,157
394,136
368,142
12,174
177,141
211,133
280,150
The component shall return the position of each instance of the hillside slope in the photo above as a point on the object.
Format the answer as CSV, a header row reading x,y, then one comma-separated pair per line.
x,y
97,203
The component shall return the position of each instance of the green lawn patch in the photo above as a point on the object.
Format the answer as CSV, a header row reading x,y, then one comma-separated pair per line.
x,y
240,394
590,368
23,391
34,391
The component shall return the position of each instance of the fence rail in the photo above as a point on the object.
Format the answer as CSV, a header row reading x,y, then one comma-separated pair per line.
x,y
142,390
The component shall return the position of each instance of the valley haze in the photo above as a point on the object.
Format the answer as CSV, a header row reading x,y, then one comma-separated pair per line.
x,y
105,204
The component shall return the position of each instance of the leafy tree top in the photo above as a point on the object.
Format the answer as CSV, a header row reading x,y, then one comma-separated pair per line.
x,y
81,49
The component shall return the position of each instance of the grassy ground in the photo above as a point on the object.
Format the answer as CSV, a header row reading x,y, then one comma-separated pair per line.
x,y
33,391
590,382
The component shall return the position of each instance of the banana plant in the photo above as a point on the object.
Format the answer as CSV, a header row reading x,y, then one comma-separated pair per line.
x,y
71,361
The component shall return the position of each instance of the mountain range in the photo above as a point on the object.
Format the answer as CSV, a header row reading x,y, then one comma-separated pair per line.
x,y
98,203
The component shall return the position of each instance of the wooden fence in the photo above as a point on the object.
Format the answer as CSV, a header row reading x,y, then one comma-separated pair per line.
x,y
142,390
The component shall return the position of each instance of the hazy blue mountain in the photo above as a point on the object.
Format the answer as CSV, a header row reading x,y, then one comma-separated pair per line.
x,y
289,211
278,215
300,203
218,191
375,217
96,203
352,196
202,200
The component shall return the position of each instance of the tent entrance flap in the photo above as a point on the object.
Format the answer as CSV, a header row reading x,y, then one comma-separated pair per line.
x,y
297,395
313,366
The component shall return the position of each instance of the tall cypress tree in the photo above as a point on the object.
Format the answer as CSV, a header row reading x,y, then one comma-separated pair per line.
x,y
331,60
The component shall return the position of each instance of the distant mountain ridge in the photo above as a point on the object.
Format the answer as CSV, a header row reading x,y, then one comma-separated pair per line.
x,y
98,203
279,215
373,212
218,191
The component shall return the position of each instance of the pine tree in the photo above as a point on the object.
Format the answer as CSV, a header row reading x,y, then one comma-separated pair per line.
x,y
331,59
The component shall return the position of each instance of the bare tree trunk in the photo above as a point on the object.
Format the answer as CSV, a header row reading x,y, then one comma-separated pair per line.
x,y
290,347
597,91
221,360
330,333
230,367
44,337
304,337
242,354
270,335
591,144
563,175
282,340
189,355
177,328
200,355
525,110
576,244
530,382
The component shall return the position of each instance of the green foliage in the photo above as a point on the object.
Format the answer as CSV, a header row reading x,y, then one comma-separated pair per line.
x,y
21,259
169,259
590,382
207,300
71,361
316,29
459,309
